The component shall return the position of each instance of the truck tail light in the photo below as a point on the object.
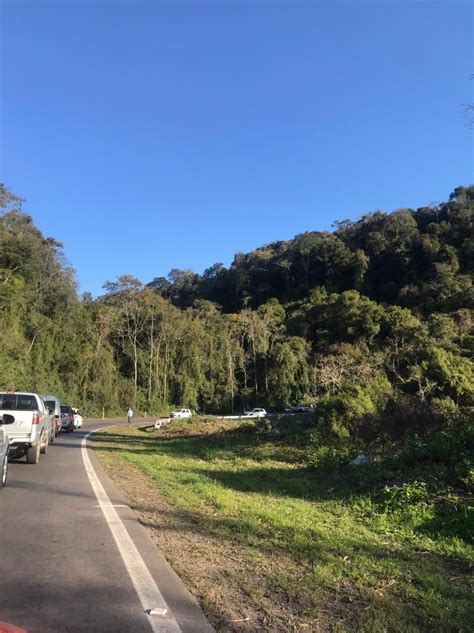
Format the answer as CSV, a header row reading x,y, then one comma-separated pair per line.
x,y
36,418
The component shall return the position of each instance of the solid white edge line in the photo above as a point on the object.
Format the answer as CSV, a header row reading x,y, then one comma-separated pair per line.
x,y
148,593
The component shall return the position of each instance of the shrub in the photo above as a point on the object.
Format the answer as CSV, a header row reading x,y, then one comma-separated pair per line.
x,y
398,498
330,457
354,405
409,505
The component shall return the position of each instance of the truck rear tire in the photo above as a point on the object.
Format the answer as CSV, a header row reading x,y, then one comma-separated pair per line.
x,y
33,454
44,449
4,472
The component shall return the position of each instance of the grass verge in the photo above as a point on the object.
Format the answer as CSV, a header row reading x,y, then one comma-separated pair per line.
x,y
268,543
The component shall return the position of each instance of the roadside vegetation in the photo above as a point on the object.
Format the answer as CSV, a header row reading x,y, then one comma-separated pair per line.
x,y
271,535
373,317
371,325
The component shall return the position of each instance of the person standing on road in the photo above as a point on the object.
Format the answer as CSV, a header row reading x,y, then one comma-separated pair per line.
x,y
129,416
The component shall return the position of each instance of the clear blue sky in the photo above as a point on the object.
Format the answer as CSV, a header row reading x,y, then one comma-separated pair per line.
x,y
152,135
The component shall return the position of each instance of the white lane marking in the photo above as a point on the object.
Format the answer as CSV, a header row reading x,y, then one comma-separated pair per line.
x,y
115,505
150,596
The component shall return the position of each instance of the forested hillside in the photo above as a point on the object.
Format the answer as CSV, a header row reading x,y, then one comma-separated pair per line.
x,y
371,321
419,259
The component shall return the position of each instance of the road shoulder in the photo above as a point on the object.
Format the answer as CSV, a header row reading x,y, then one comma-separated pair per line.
x,y
182,604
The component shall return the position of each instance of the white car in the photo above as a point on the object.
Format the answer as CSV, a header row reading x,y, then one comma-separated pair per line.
x,y
77,418
256,413
181,414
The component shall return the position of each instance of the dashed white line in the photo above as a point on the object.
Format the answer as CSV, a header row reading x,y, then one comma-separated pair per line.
x,y
150,596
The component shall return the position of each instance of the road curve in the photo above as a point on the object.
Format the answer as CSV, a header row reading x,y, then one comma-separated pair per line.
x,y
61,567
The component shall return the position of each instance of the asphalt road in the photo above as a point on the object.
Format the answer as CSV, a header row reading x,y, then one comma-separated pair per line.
x,y
65,565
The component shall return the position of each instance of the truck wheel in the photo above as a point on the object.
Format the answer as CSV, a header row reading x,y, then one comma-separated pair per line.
x,y
4,472
44,449
33,454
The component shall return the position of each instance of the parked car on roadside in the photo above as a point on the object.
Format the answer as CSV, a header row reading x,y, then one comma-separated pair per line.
x,y
257,412
4,447
77,418
299,408
181,413
53,404
67,418
32,428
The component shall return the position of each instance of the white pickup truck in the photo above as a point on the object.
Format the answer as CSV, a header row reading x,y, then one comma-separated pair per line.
x,y
32,428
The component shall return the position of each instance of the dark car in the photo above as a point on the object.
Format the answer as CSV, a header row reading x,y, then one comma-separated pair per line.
x,y
67,418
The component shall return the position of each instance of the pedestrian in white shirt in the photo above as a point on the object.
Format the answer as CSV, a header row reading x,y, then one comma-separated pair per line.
x,y
130,417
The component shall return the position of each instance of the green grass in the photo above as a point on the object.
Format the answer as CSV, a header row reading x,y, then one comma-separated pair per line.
x,y
372,550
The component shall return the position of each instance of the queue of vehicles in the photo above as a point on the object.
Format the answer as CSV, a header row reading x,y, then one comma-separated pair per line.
x,y
29,423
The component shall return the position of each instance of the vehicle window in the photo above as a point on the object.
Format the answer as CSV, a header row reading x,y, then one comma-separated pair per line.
x,y
50,404
7,402
27,403
18,402
65,409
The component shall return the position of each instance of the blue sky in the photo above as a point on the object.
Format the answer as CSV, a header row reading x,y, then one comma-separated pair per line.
x,y
154,135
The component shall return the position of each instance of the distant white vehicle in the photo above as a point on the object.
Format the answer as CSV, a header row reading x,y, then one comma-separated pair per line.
x,y
258,412
77,418
181,413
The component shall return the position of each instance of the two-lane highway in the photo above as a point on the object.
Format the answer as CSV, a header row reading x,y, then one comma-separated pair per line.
x,y
73,557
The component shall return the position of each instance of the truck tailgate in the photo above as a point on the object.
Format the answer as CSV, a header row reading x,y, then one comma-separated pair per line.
x,y
22,427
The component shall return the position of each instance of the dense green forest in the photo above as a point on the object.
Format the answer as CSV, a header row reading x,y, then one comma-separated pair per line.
x,y
372,321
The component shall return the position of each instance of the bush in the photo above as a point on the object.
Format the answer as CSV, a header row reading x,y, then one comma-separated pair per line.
x,y
344,413
446,409
399,498
465,471
324,457
451,452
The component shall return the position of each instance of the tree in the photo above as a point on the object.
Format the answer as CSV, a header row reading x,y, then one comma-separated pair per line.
x,y
125,296
326,318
